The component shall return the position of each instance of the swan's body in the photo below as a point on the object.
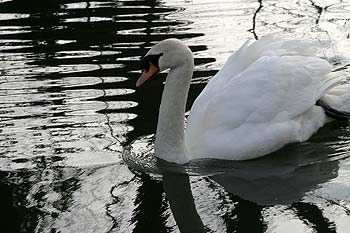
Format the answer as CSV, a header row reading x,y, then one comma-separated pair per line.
x,y
262,99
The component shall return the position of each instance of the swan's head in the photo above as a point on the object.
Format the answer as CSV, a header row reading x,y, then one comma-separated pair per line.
x,y
167,54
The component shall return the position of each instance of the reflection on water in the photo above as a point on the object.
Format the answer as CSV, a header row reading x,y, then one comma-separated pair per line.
x,y
297,178
69,108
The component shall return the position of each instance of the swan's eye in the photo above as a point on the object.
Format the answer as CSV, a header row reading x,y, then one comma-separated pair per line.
x,y
154,59
144,64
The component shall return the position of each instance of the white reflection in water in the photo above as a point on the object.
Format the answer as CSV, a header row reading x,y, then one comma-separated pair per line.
x,y
8,30
76,54
63,121
9,16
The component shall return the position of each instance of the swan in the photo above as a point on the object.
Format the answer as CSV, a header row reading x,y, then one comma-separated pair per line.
x,y
269,93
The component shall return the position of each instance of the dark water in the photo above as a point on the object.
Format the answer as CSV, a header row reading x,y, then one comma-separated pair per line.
x,y
68,107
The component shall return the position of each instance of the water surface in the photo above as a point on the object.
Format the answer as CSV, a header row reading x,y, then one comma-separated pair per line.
x,y
69,107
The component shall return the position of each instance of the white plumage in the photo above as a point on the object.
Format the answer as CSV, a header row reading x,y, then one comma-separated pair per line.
x,y
262,99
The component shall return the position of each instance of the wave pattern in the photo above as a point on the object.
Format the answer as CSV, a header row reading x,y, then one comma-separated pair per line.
x,y
68,107
68,104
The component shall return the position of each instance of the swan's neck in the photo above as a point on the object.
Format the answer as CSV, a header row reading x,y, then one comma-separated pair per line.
x,y
169,143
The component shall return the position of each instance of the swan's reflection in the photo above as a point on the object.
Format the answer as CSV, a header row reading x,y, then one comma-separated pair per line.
x,y
257,182
178,191
276,179
267,185
281,178
285,177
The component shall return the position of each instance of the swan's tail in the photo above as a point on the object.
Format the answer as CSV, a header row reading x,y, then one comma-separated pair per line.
x,y
336,102
332,112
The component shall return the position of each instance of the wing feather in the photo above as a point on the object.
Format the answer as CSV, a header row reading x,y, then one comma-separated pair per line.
x,y
277,85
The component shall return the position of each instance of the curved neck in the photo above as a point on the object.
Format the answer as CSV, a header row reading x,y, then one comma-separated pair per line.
x,y
169,143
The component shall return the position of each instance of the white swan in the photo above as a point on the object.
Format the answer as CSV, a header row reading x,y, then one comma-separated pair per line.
x,y
262,99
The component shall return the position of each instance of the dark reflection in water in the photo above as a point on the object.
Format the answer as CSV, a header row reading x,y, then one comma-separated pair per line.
x,y
68,109
178,190
282,178
294,177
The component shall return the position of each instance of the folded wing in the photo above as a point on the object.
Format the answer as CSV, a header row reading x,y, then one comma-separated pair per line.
x,y
269,89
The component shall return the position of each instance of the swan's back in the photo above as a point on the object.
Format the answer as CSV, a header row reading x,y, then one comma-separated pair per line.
x,y
263,98
249,52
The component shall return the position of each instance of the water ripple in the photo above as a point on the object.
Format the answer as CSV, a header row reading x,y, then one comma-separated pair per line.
x,y
68,106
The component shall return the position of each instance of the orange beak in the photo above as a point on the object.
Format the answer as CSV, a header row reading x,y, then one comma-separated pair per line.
x,y
147,74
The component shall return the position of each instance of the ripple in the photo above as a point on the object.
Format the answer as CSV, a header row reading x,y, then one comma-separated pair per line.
x,y
79,95
121,104
121,117
11,16
341,8
76,54
62,69
8,30
24,98
68,107
116,92
89,5
79,81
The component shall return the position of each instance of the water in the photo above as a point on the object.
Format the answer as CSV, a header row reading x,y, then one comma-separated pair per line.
x,y
68,107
